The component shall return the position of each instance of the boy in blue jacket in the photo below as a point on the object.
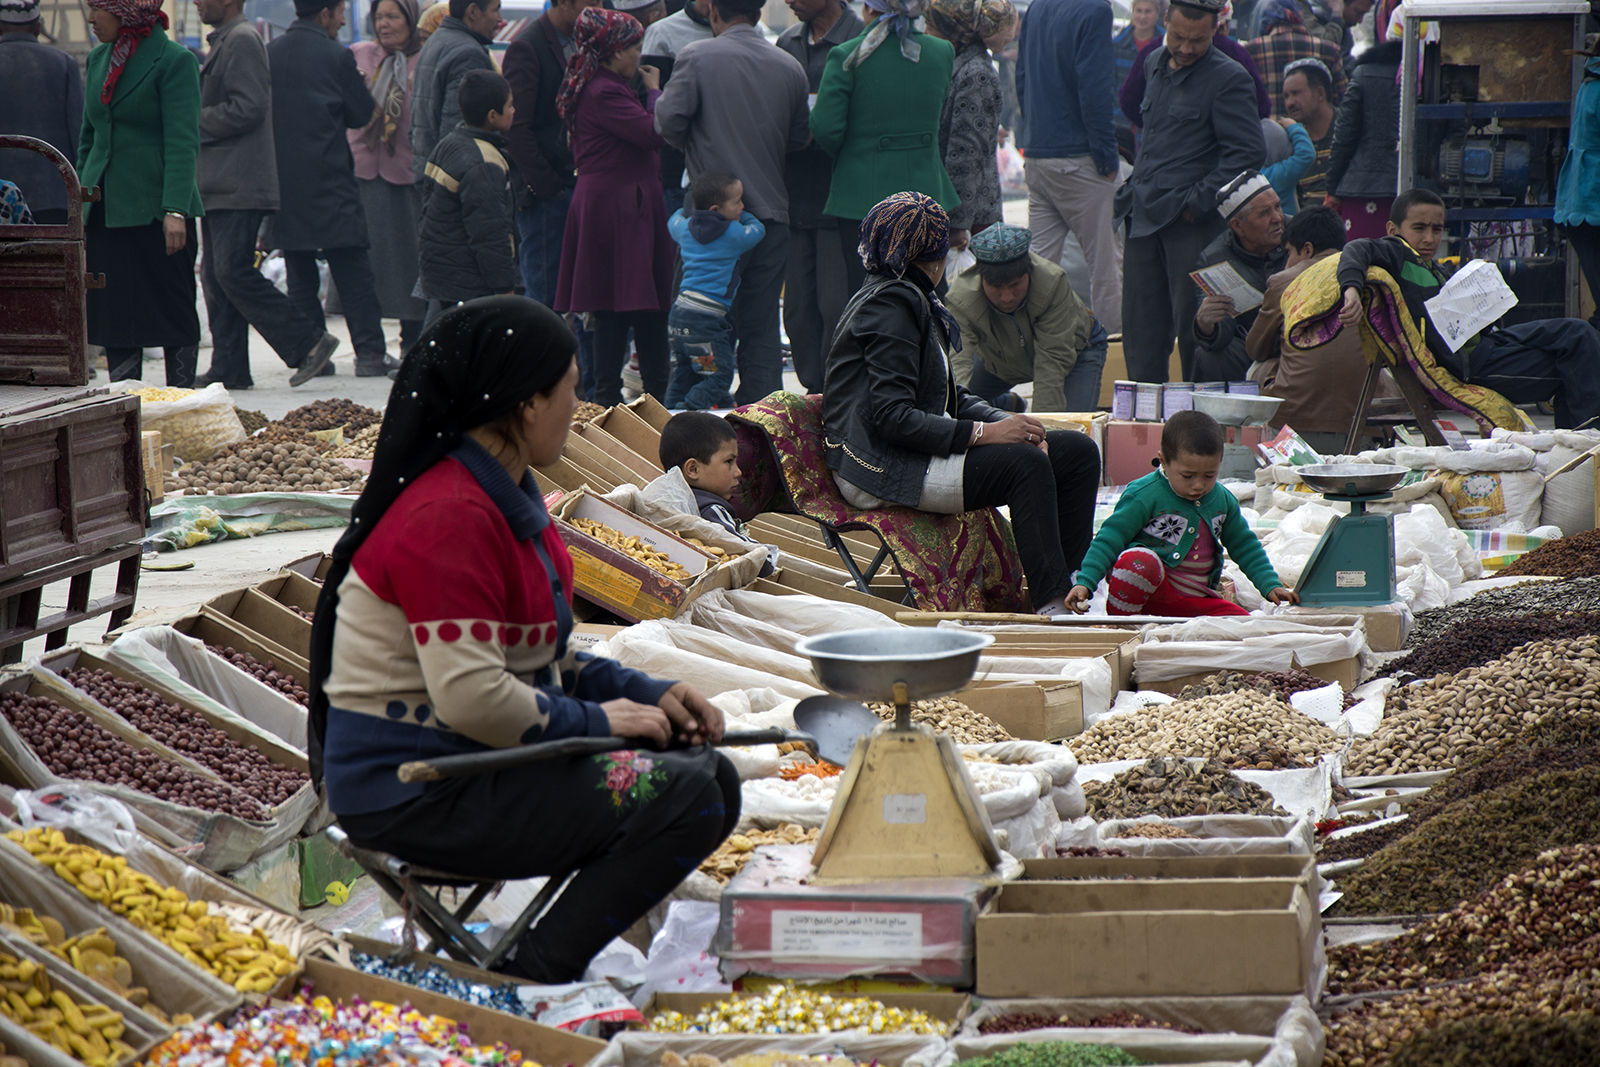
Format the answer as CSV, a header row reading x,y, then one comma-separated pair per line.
x,y
712,239
1168,532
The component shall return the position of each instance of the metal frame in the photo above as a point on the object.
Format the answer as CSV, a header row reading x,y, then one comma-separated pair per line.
x,y
863,582
417,889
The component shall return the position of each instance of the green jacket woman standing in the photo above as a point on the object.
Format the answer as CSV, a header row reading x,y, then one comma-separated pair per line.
x,y
140,143
877,114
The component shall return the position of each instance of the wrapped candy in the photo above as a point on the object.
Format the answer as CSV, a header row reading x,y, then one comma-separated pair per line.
x,y
797,1011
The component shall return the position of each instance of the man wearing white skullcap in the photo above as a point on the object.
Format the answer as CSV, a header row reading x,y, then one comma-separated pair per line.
x,y
1253,245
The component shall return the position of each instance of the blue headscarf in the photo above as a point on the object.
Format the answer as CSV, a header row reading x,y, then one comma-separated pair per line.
x,y
896,15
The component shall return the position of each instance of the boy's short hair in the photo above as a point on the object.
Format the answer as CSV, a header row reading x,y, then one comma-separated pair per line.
x,y
696,435
998,274
1320,227
458,8
481,92
711,189
1193,432
1413,198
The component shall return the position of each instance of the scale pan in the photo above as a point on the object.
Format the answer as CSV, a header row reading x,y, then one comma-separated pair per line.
x,y
866,664
1352,479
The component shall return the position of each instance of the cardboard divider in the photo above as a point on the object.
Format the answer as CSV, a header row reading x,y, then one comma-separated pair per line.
x,y
141,1031
789,582
293,590
1347,672
619,582
1028,710
220,631
543,1045
560,475
1302,869
639,437
652,411
252,610
645,1049
314,566
640,470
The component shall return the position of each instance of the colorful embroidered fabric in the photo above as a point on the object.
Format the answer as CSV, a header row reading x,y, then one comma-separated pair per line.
x,y
1388,333
965,562
632,778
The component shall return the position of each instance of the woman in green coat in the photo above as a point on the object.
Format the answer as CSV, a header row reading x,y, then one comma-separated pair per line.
x,y
140,142
877,114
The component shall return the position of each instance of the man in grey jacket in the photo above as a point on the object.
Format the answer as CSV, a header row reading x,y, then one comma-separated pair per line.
x,y
238,178
737,104
48,79
460,44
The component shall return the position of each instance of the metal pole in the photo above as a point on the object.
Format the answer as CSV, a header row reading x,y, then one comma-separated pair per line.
x,y
1574,289
1410,50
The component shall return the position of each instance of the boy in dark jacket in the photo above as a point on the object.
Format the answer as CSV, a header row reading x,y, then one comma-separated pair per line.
x,y
467,244
1526,363
712,238
705,448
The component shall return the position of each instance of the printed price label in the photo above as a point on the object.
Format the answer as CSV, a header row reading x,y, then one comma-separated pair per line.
x,y
905,808
1350,579
876,935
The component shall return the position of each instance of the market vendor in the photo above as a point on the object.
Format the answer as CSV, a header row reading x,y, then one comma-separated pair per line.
x,y
899,431
443,629
1253,246
1021,322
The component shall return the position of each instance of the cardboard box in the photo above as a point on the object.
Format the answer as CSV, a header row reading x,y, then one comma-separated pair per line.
x,y
268,620
1116,647
543,1045
584,453
1347,672
1302,869
155,478
1132,448
1092,423
1210,937
1387,624
1028,710
315,566
789,582
221,632
641,439
651,410
643,471
621,583
292,591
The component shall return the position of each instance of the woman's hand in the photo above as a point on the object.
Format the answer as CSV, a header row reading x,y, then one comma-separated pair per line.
x,y
695,719
651,77
1013,430
176,231
1350,314
1282,595
1078,599
959,239
1333,201
630,719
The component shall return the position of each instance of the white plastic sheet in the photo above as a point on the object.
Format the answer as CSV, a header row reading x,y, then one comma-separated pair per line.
x,y
1253,644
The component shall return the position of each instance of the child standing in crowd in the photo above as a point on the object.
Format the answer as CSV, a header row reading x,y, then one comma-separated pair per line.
x,y
712,239
1168,532
704,447
466,244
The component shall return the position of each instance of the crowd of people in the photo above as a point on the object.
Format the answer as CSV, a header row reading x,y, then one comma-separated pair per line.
x,y
680,185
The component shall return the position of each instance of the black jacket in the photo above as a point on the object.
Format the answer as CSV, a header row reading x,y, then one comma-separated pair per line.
x,y
466,245
1222,356
538,137
889,401
317,94
1365,161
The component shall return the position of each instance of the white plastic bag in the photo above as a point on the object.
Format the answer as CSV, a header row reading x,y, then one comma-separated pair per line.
x,y
680,959
197,426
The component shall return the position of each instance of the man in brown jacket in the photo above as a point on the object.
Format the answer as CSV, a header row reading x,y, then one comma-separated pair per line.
x,y
1320,387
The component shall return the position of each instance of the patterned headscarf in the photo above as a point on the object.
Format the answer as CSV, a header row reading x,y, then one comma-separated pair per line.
x,y
389,83
138,18
895,15
598,35
903,229
1279,13
967,22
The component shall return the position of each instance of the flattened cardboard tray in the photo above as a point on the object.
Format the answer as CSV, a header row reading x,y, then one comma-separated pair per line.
x,y
621,583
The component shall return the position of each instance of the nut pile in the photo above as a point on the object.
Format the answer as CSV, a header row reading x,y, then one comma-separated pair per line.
x,y
1474,843
1282,684
1172,788
1505,1039
1056,1054
252,420
587,411
1208,727
1266,757
88,1032
92,954
1022,1021
788,1010
248,962
949,716
1556,984
1473,646
183,730
72,746
267,672
1091,852
1491,605
360,446
1553,903
731,856
252,467
1440,723
631,545
329,414
1574,556
1157,830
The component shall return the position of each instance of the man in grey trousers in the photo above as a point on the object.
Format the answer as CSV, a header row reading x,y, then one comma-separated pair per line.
x,y
238,179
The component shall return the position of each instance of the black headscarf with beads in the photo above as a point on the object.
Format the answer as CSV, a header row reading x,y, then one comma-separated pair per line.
x,y
472,365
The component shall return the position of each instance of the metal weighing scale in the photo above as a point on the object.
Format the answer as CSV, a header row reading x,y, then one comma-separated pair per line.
x,y
906,807
1353,564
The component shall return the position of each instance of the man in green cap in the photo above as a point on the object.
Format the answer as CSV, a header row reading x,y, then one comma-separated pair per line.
x,y
1021,322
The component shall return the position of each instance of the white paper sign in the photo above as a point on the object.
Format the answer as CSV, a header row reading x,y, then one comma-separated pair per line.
x,y
1473,298
1223,280
849,935
905,808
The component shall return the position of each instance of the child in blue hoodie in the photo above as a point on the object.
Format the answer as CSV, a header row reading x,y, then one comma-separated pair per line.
x,y
711,239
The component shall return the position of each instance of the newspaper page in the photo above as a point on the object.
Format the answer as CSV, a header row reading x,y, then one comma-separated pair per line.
x,y
1473,298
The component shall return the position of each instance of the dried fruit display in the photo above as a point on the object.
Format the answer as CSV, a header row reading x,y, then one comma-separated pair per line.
x,y
587,411
1208,727
330,414
791,1010
1020,1022
1475,644
265,671
255,467
632,545
359,446
93,954
949,716
1483,609
731,856
1172,788
1157,830
1574,556
1504,1040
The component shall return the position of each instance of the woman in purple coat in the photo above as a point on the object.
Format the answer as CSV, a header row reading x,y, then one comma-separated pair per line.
x,y
616,254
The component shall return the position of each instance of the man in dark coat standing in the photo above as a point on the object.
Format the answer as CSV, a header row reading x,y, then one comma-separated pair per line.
x,y
460,44
317,93
47,79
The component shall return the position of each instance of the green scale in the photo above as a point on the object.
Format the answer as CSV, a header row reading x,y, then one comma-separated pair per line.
x,y
1353,564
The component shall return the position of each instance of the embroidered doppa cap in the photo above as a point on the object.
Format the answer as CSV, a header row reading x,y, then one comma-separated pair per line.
x,y
1239,192
1000,243
19,12
1312,62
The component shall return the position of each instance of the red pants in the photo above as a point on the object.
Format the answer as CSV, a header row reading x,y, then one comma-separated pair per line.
x,y
1138,585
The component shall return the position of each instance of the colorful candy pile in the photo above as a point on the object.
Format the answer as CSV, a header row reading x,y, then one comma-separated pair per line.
x,y
798,1011
438,980
322,1033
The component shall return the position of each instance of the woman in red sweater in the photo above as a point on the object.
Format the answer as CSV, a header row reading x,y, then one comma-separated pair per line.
x,y
443,628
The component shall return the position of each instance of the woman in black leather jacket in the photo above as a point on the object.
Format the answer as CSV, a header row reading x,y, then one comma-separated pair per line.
x,y
1364,162
900,431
